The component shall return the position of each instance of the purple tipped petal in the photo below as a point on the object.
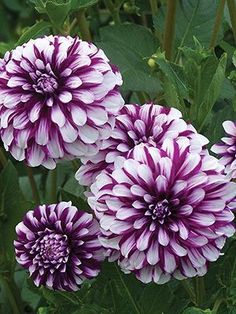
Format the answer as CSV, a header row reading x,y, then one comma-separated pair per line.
x,y
226,149
59,246
163,213
136,126
55,86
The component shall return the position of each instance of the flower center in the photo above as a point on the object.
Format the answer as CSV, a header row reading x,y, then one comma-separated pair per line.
x,y
146,140
159,210
52,248
46,84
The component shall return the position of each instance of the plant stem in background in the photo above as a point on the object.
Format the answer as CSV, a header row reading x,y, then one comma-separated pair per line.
x,y
216,306
216,28
154,7
3,158
189,290
15,303
75,164
84,26
232,13
200,291
33,184
127,291
114,10
169,32
53,185
142,97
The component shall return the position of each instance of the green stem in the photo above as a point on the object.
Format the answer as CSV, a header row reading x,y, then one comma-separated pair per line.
x,y
114,10
14,302
216,28
127,291
33,185
141,96
200,291
71,298
112,295
216,306
75,164
3,158
189,290
232,13
53,195
84,25
154,7
70,27
203,122
169,28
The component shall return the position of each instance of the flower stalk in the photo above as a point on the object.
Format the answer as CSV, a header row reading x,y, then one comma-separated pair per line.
x,y
84,26
216,28
12,294
169,28
154,7
3,158
53,194
232,12
200,291
187,287
114,10
33,185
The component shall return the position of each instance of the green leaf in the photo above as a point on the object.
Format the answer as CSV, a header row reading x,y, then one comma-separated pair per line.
x,y
77,201
82,4
39,5
228,48
194,18
124,46
29,292
57,12
13,206
34,31
43,310
174,82
14,5
4,48
234,58
213,91
213,129
194,310
227,90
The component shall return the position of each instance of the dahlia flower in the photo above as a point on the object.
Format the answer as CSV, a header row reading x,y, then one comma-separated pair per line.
x,y
149,124
163,212
227,149
58,99
59,246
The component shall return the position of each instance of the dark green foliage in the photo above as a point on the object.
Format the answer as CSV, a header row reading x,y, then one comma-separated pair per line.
x,y
199,81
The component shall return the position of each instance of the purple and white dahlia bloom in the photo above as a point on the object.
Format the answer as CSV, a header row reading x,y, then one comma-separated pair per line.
x,y
163,212
148,124
58,99
59,246
226,149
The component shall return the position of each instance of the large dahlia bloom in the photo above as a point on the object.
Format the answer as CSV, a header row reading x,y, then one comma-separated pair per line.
x,y
58,99
163,212
59,246
148,124
226,149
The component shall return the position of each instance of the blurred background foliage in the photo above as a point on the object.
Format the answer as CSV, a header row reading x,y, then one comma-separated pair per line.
x,y
178,53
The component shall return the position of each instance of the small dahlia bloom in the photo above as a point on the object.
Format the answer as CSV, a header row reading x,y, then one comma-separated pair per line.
x,y
163,212
148,124
58,99
226,149
59,246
